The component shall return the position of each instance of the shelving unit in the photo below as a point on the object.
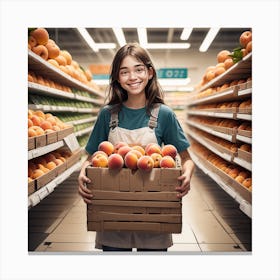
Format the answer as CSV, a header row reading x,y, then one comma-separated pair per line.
x,y
82,103
200,131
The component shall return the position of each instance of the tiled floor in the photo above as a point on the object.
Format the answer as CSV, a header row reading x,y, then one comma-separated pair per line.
x,y
212,221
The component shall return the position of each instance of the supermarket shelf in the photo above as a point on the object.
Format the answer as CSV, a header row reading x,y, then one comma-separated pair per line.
x,y
244,205
44,150
247,117
208,113
43,192
209,130
243,163
202,140
245,139
53,108
238,71
47,70
83,132
81,121
48,91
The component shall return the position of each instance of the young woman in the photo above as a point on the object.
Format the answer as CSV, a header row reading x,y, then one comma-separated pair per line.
x,y
136,114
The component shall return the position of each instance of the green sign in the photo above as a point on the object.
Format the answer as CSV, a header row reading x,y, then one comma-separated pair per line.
x,y
172,73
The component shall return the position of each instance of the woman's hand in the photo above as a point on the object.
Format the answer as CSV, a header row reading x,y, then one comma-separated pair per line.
x,y
84,192
187,171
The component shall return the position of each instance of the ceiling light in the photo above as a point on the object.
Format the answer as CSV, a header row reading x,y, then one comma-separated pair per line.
x,y
120,36
92,44
142,36
167,45
88,39
186,33
209,39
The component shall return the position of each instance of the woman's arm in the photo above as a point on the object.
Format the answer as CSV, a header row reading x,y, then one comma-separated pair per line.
x,y
187,171
85,193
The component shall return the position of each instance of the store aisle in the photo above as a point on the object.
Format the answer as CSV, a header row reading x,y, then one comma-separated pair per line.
x,y
212,221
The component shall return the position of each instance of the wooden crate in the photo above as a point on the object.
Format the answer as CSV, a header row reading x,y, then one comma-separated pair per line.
x,y
134,201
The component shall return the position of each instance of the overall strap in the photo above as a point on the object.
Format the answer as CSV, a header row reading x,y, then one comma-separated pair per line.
x,y
154,116
114,121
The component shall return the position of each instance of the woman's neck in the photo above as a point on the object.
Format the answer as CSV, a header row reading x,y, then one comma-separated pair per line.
x,y
135,102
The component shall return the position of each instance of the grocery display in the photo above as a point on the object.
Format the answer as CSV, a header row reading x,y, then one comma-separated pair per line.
x,y
63,102
219,122
135,187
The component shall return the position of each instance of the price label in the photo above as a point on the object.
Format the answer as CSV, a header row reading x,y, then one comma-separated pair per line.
x,y
172,73
72,142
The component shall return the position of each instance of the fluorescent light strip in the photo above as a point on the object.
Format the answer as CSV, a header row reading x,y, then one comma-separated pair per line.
x,y
88,39
167,45
142,36
93,45
120,36
186,33
209,39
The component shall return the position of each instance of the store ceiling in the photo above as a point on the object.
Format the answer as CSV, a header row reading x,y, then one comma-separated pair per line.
x,y
71,40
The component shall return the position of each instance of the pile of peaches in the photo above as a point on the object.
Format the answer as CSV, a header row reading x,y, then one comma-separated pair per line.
x,y
122,155
40,123
43,164
227,59
40,43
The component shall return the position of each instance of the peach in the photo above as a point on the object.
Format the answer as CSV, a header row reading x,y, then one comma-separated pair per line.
x,y
39,113
228,63
239,179
58,161
169,150
118,146
130,160
42,51
137,153
51,165
31,132
36,120
152,148
145,163
167,162
115,161
53,49
53,62
219,70
37,173
49,157
247,182
139,148
50,119
210,75
61,60
156,158
124,150
245,38
46,125
223,55
249,47
32,41
67,56
107,147
41,36
30,123
99,153
43,168
99,161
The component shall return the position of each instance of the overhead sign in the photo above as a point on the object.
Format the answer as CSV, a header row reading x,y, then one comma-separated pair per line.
x,y
172,73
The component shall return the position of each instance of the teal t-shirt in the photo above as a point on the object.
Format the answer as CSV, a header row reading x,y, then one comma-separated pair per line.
x,y
168,130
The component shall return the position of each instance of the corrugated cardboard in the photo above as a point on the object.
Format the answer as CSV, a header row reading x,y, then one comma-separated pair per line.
x,y
134,200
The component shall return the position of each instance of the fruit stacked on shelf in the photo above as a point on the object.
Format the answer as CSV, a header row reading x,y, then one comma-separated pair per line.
x,y
236,172
40,43
213,90
40,123
226,59
42,165
134,157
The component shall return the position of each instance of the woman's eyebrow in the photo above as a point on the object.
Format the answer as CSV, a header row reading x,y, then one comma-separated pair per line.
x,y
124,67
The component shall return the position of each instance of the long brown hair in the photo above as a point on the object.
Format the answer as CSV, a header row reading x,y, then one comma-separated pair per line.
x,y
117,95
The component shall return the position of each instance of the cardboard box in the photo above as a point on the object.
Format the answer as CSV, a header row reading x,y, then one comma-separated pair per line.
x,y
134,200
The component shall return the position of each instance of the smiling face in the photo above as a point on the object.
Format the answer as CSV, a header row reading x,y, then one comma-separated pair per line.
x,y
134,76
